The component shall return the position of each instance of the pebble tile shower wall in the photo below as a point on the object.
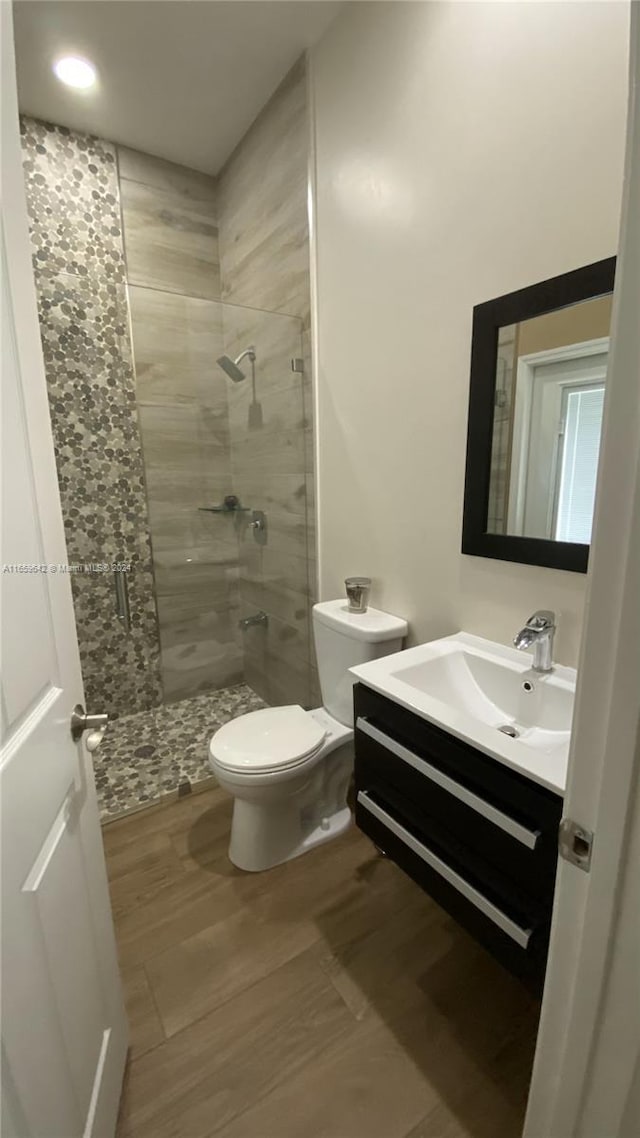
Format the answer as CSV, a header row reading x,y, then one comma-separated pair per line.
x,y
79,265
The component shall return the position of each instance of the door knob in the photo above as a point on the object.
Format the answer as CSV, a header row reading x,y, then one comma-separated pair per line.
x,y
81,722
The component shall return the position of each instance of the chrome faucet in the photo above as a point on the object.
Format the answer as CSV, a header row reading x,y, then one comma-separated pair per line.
x,y
538,631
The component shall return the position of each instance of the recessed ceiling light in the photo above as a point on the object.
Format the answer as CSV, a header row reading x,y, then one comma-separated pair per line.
x,y
75,72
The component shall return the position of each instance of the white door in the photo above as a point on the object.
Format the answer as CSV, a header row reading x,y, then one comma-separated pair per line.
x,y
586,1074
64,1030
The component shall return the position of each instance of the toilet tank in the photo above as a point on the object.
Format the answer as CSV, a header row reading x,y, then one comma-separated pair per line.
x,y
344,639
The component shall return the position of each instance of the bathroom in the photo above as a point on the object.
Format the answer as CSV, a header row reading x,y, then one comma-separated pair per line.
x,y
287,260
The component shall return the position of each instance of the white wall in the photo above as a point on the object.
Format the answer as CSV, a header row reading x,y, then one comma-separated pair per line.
x,y
462,151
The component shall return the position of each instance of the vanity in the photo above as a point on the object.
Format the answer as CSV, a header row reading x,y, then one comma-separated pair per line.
x,y
460,766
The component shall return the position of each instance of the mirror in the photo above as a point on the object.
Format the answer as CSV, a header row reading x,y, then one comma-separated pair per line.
x,y
538,376
547,417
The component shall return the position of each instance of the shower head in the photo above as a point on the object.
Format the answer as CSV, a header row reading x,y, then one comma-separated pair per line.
x,y
233,371
231,366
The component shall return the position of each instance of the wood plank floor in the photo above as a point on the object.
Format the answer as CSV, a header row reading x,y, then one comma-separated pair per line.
x,y
327,998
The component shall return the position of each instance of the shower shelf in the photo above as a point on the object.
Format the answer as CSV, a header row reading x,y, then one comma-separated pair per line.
x,y
230,505
224,509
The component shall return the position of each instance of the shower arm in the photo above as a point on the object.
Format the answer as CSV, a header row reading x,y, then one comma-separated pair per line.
x,y
251,354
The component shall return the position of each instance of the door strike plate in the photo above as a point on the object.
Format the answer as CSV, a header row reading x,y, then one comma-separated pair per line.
x,y
575,844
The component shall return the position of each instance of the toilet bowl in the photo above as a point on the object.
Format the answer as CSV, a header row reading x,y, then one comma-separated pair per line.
x,y
289,769
289,772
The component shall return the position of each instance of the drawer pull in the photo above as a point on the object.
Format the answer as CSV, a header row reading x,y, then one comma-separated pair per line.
x,y
516,932
528,838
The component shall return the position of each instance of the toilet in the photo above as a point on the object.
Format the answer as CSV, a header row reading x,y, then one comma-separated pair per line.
x,y
289,769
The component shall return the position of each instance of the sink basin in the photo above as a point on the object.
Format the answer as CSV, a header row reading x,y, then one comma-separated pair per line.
x,y
489,696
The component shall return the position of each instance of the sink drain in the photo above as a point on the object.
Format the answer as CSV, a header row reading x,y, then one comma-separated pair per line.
x,y
510,730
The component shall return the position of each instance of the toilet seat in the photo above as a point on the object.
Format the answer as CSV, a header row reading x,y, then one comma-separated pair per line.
x,y
272,739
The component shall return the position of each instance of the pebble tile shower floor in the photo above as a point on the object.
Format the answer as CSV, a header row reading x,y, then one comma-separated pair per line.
x,y
150,754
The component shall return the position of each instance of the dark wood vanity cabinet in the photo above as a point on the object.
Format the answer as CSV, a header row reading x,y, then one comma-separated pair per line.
x,y
479,837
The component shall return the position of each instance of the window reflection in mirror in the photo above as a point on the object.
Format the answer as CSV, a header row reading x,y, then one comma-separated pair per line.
x,y
549,393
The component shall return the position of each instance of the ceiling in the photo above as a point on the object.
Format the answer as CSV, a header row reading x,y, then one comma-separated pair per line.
x,y
181,79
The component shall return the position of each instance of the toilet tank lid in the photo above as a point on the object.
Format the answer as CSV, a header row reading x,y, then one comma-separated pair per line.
x,y
372,625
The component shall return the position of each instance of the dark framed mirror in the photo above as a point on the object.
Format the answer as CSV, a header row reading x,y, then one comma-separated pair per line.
x,y
538,375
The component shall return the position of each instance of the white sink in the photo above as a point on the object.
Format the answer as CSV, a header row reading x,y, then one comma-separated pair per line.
x,y
473,688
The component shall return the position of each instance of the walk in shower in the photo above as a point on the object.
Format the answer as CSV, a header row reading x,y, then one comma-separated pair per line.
x,y
186,489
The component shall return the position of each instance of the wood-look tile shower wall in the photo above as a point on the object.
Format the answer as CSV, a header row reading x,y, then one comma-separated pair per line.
x,y
264,269
171,242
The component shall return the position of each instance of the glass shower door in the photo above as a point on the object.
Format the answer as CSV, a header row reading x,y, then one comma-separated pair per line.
x,y
270,444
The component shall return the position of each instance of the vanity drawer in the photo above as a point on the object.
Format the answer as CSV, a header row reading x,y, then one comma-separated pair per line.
x,y
510,822
516,931
436,802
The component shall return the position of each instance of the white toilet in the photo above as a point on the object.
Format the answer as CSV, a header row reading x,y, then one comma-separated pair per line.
x,y
289,769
